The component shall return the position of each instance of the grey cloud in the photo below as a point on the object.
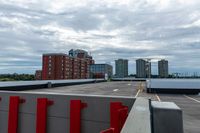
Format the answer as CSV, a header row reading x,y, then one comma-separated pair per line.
x,y
168,32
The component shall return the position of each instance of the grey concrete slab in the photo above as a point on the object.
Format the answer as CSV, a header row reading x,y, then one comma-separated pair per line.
x,y
167,117
138,120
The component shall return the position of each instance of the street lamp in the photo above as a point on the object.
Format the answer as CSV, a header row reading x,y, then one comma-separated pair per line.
x,y
148,71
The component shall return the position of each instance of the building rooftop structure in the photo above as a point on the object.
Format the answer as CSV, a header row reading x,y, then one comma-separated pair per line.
x,y
79,53
49,54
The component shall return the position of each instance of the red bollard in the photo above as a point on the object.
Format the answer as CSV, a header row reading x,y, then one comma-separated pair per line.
x,y
41,120
75,115
110,130
118,115
123,114
13,113
114,116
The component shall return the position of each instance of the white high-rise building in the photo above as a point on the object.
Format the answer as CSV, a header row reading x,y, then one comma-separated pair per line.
x,y
163,69
143,68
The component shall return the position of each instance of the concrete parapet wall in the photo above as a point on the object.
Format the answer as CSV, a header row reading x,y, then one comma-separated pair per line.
x,y
95,117
30,85
138,120
28,112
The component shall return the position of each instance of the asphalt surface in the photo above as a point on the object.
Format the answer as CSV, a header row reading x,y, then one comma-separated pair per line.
x,y
190,104
104,88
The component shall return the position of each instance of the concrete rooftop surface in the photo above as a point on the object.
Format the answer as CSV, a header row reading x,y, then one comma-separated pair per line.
x,y
190,104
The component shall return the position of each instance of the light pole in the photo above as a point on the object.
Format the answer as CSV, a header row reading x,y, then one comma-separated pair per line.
x,y
148,70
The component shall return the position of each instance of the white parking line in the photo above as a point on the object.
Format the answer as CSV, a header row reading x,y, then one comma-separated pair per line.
x,y
158,97
115,90
192,98
137,93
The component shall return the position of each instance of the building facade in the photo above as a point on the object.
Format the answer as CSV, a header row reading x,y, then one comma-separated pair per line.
x,y
62,66
101,70
163,71
143,68
38,75
121,68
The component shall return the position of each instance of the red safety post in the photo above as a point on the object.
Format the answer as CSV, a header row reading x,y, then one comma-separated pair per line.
x,y
114,115
41,120
110,130
13,113
118,115
75,115
123,114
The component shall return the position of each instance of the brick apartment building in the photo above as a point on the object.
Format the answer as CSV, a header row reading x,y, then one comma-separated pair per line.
x,y
62,66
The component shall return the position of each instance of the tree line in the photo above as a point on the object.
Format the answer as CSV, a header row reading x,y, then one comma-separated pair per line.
x,y
16,77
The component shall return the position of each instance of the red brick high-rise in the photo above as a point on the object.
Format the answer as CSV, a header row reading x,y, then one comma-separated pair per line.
x,y
62,66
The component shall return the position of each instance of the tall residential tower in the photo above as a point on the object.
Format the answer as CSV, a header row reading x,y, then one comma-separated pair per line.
x,y
163,69
121,68
143,68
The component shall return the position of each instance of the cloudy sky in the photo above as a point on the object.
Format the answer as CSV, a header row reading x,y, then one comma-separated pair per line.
x,y
109,29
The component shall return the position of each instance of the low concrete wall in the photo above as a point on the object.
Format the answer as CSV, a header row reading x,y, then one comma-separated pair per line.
x,y
129,79
94,118
174,86
30,85
144,116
